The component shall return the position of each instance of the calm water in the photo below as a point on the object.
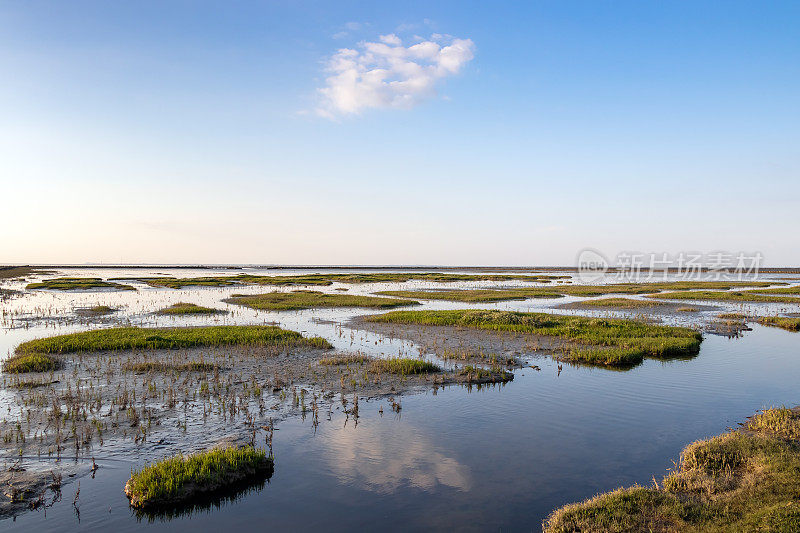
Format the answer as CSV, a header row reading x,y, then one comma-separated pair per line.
x,y
496,459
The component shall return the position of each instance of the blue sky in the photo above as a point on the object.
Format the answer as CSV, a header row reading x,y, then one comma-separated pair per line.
x,y
198,132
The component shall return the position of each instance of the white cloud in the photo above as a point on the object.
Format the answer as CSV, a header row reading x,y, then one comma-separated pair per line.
x,y
386,74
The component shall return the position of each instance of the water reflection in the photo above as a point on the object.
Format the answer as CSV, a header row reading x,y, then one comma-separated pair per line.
x,y
377,459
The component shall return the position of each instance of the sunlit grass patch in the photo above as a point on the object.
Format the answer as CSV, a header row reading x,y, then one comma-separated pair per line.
x,y
33,362
784,322
157,366
403,366
69,284
476,295
178,480
777,421
170,338
604,356
733,482
284,301
731,296
613,342
184,308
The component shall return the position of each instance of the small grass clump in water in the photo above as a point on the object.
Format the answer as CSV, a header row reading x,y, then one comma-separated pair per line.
x,y
403,366
34,362
180,479
170,338
475,374
70,284
184,308
731,296
612,342
790,323
739,481
169,367
285,301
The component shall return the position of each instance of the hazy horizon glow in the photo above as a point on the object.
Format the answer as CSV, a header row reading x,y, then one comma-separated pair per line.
x,y
454,133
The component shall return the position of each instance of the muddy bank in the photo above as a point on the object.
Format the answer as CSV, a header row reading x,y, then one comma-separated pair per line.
x,y
103,404
467,345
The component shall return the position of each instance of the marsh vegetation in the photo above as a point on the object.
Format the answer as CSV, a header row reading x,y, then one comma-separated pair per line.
x,y
284,301
184,308
558,291
783,322
739,481
144,393
729,296
180,480
475,295
72,284
169,338
608,342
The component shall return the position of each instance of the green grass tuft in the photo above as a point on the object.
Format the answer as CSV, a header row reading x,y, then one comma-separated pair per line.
x,y
170,338
285,301
790,323
183,308
34,362
731,296
180,479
